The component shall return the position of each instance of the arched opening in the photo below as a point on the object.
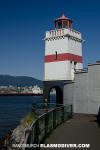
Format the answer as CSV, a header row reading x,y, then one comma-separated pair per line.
x,y
56,95
52,95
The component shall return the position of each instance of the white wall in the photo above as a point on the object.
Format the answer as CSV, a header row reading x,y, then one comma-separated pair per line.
x,y
62,70
59,45
63,45
57,71
84,92
75,47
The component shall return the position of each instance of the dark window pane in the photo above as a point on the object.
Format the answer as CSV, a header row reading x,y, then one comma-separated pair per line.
x,y
65,24
56,54
59,25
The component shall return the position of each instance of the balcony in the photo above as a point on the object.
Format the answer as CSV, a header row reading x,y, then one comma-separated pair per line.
x,y
63,32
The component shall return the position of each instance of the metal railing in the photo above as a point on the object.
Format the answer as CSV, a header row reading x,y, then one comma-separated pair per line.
x,y
45,123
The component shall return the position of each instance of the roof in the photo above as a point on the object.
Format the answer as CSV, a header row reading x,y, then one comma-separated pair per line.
x,y
63,17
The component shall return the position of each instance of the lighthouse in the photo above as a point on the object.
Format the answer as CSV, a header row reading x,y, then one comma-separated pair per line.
x,y
63,56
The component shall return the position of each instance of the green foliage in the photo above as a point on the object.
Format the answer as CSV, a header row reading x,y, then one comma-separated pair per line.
x,y
28,120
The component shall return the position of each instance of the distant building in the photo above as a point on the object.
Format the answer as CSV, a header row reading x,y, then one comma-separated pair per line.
x,y
26,89
36,90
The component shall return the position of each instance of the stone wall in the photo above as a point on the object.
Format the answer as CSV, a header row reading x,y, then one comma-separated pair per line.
x,y
84,92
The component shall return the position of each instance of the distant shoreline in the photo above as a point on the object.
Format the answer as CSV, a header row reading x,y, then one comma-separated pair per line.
x,y
20,94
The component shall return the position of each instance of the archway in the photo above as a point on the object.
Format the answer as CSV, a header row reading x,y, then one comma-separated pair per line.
x,y
55,95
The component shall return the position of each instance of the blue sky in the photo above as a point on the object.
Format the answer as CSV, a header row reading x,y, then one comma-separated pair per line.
x,y
23,24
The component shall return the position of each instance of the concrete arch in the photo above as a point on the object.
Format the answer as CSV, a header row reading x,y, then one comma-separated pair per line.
x,y
59,94
58,85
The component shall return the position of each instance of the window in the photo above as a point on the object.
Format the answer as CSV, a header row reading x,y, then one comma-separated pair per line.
x,y
65,24
56,54
59,25
75,65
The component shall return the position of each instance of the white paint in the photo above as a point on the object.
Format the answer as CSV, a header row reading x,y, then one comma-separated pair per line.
x,y
61,32
57,71
62,41
59,45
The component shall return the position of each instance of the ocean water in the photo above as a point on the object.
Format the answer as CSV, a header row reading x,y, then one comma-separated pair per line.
x,y
13,109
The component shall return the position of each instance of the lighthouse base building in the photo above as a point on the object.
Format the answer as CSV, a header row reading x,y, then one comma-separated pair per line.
x,y
63,70
84,92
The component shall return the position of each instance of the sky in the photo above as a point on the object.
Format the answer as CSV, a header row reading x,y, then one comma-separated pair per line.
x,y
22,28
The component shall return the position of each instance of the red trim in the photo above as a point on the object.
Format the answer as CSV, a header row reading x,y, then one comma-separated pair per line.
x,y
63,57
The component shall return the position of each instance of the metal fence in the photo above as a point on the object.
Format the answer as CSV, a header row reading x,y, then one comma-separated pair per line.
x,y
45,123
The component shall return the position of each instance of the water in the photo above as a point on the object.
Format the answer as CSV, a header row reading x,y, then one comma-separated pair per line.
x,y
13,109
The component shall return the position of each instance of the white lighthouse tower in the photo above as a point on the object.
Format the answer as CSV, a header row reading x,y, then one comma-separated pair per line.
x,y
63,52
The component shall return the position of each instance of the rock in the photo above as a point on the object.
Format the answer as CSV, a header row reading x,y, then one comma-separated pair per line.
x,y
17,136
5,142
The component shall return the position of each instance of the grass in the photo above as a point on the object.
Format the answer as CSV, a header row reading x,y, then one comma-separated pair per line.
x,y
28,120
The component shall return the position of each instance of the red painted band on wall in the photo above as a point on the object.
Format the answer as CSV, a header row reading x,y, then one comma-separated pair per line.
x,y
63,57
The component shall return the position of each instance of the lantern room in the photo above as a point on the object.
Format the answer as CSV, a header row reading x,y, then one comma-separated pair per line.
x,y
63,22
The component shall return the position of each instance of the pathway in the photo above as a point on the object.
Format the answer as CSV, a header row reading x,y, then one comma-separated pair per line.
x,y
82,129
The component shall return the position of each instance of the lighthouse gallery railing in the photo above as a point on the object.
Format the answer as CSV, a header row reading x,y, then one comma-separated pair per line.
x,y
45,123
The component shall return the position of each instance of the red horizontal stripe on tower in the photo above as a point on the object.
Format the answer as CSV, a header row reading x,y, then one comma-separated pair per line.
x,y
63,57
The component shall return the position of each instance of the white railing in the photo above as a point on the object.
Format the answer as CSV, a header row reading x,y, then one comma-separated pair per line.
x,y
61,32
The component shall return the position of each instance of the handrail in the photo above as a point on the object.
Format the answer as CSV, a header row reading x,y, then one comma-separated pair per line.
x,y
45,123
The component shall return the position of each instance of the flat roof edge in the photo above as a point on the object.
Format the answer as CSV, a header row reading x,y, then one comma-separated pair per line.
x,y
90,64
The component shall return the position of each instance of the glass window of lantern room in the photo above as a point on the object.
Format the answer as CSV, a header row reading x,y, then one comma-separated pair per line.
x,y
59,25
65,24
